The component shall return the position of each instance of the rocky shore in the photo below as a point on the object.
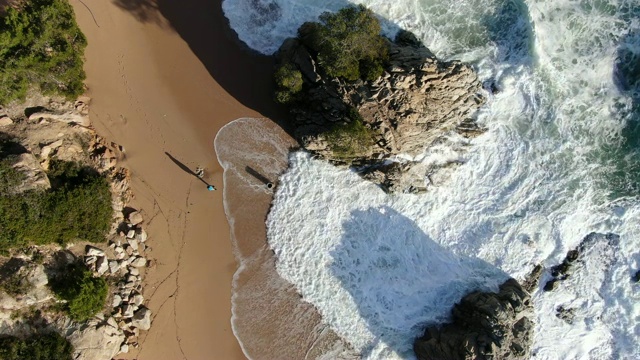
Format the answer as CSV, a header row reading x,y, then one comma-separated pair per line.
x,y
48,129
418,102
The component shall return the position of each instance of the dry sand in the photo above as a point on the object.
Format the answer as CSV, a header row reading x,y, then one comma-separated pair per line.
x,y
154,96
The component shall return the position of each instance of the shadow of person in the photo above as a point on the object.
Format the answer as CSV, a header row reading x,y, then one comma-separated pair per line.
x,y
400,280
186,169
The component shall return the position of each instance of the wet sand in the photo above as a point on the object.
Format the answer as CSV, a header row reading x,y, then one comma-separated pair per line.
x,y
270,317
154,96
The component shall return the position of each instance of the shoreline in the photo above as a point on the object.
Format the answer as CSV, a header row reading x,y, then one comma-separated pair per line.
x,y
153,95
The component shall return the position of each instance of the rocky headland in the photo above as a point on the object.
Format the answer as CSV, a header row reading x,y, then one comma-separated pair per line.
x,y
415,103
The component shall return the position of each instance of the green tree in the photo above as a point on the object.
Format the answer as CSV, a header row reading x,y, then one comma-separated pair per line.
x,y
85,294
348,43
40,45
288,81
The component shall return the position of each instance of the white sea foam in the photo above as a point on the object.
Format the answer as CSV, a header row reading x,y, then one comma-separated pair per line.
x,y
552,167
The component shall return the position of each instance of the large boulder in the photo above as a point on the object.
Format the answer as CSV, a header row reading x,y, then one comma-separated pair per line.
x,y
417,102
96,343
485,326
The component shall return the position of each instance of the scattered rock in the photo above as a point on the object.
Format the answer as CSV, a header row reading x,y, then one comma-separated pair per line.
x,y
142,319
5,121
131,234
139,262
117,301
102,265
564,270
127,311
133,243
567,315
113,266
135,218
485,326
124,348
94,251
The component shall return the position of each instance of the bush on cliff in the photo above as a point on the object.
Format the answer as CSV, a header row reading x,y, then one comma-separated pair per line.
x,y
84,293
348,43
78,206
289,83
350,140
40,45
49,346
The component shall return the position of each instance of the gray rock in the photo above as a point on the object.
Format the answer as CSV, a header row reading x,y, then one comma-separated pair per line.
x,y
141,235
139,262
131,234
142,319
137,299
135,218
113,266
102,265
5,120
117,301
37,277
133,243
91,343
127,311
94,251
485,326
124,348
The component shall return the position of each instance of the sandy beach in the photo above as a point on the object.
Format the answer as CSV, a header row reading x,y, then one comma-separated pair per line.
x,y
153,92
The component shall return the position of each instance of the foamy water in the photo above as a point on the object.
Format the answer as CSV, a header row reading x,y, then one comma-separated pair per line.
x,y
560,159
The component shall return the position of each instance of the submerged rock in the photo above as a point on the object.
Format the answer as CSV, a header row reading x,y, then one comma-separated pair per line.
x,y
485,326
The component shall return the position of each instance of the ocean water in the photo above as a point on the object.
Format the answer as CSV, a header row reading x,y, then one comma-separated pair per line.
x,y
560,159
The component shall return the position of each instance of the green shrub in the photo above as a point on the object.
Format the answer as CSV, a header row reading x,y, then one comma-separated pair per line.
x,y
50,346
16,284
84,293
351,140
9,177
40,45
289,82
345,40
77,208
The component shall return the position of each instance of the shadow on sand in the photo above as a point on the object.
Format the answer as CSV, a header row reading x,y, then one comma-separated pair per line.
x,y
185,168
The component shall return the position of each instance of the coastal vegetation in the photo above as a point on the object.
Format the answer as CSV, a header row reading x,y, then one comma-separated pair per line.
x,y
48,346
41,46
84,293
77,207
352,139
289,83
348,43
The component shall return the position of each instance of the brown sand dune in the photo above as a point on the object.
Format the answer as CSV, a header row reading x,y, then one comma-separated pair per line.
x,y
157,88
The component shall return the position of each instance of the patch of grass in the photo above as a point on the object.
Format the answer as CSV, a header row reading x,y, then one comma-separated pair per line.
x,y
77,208
49,346
351,140
41,45
84,293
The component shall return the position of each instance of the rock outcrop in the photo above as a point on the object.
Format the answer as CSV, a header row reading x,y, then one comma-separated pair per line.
x,y
415,103
485,326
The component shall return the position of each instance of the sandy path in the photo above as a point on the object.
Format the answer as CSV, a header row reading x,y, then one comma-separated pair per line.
x,y
152,95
